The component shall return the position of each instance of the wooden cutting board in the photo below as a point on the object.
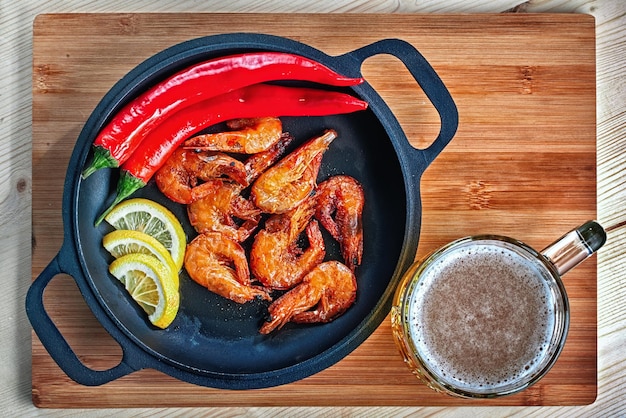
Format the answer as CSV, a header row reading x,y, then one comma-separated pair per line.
x,y
523,164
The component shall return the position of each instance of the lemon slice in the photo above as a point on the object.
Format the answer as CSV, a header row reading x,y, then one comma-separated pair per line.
x,y
122,241
151,284
151,218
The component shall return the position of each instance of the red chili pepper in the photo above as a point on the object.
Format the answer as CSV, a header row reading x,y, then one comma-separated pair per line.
x,y
123,134
257,100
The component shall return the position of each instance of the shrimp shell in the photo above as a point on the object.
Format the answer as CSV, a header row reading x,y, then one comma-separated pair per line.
x,y
330,289
179,178
216,211
293,179
340,201
250,135
219,263
276,260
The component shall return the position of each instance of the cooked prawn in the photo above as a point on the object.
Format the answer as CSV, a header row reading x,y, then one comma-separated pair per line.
x,y
218,208
339,209
330,289
179,178
257,163
276,260
223,202
249,136
219,263
292,180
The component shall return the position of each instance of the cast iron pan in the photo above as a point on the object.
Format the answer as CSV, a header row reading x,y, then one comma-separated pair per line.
x,y
214,342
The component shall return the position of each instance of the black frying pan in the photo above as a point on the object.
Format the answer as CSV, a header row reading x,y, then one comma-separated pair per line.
x,y
214,342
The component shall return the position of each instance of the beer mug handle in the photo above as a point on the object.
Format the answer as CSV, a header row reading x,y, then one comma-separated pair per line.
x,y
576,246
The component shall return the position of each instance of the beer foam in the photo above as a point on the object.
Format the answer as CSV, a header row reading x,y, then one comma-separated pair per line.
x,y
482,317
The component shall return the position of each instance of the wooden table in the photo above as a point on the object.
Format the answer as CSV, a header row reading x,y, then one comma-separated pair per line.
x,y
610,300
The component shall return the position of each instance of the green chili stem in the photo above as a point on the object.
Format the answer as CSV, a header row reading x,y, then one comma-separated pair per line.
x,y
127,185
102,158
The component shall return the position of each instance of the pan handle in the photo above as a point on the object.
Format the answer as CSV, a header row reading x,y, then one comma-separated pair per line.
x,y
55,343
429,81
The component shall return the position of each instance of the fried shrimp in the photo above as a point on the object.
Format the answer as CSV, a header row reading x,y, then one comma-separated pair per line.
x,y
248,136
219,263
293,179
180,177
276,259
330,289
257,163
224,209
339,209
220,208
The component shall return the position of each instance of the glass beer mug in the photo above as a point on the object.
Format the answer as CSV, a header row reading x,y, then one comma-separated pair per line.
x,y
487,316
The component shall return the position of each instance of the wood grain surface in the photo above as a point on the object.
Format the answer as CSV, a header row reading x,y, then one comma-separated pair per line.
x,y
523,163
